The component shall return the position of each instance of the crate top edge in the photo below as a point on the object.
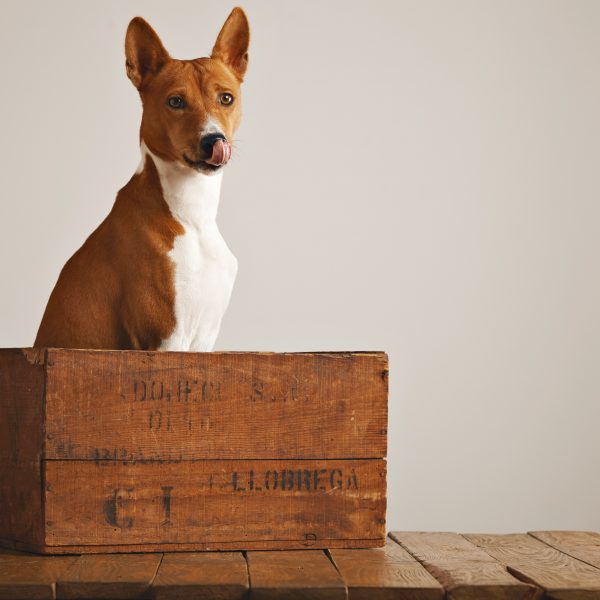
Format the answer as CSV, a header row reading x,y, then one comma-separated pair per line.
x,y
34,356
38,354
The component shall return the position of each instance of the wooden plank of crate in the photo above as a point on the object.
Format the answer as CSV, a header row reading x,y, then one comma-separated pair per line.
x,y
465,571
21,440
201,575
299,544
294,575
30,577
131,405
583,545
214,501
388,573
121,576
560,576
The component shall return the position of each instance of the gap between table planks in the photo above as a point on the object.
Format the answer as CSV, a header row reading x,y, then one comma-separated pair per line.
x,y
559,575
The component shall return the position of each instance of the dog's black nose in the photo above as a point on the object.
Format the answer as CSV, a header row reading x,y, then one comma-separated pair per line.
x,y
208,141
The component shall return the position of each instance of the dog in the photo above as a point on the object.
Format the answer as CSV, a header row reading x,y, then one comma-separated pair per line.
x,y
157,274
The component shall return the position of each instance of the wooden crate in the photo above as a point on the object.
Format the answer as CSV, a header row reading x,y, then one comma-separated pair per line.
x,y
127,451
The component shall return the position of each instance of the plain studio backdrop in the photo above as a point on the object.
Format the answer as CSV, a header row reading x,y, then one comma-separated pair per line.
x,y
417,177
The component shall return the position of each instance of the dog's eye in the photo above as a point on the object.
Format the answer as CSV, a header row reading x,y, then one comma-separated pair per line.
x,y
226,99
176,102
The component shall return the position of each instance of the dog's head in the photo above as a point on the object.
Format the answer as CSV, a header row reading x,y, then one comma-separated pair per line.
x,y
191,107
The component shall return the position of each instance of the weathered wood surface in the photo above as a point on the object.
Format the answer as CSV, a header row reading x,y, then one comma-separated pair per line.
x,y
301,544
213,502
119,576
150,406
582,545
386,573
465,571
30,577
300,574
559,575
21,440
90,438
201,576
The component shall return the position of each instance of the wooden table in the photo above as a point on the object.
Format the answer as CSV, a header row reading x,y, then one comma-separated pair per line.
x,y
417,566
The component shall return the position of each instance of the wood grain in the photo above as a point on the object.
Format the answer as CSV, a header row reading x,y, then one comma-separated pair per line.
x,y
301,544
465,571
582,545
201,575
560,576
149,406
28,577
213,501
388,573
121,576
21,441
294,575
141,430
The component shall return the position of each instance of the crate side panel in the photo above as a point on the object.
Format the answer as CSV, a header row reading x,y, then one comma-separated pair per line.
x,y
214,501
178,406
21,439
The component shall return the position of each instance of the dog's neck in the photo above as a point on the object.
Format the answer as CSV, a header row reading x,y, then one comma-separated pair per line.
x,y
192,197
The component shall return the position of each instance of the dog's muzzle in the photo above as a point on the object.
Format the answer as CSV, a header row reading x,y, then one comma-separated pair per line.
x,y
216,148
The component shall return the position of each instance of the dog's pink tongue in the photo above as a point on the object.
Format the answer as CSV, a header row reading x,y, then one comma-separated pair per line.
x,y
221,153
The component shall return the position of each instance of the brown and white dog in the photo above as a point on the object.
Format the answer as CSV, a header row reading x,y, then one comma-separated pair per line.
x,y
157,274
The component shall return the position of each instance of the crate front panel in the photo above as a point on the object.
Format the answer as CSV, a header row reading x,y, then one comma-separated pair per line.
x,y
138,406
211,501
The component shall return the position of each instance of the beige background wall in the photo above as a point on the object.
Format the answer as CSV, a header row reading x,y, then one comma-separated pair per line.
x,y
419,177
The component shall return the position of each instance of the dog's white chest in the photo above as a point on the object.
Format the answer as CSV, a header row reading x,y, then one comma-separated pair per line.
x,y
204,267
205,271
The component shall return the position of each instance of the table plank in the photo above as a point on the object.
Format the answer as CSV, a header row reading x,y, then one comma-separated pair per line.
x,y
561,576
465,571
582,545
121,576
388,573
200,575
30,577
294,575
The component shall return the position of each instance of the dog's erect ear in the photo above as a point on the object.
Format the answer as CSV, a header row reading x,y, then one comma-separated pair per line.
x,y
232,44
144,53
